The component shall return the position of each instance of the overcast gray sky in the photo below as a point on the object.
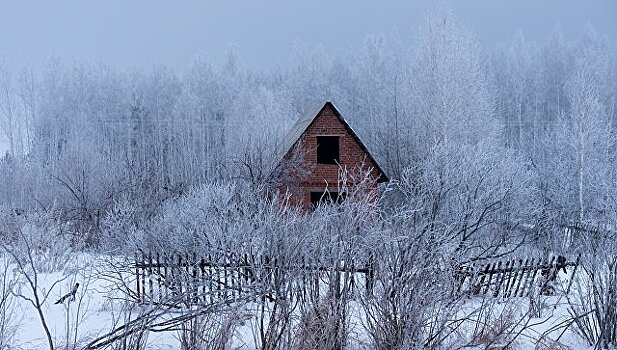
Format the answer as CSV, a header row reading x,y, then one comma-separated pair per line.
x,y
144,32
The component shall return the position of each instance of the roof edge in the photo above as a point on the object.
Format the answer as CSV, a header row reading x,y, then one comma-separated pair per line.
x,y
383,177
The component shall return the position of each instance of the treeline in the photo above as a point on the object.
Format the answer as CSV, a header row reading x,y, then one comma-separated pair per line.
x,y
531,121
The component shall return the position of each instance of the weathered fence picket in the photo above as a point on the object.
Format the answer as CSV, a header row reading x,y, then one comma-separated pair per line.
x,y
207,279
229,276
515,277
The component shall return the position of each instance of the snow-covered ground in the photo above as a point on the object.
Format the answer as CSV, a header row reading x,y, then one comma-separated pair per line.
x,y
98,307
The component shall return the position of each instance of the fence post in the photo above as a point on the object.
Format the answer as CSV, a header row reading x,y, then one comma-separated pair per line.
x,y
187,277
143,276
532,281
510,277
370,275
137,279
226,267
179,274
202,270
477,290
158,274
490,277
576,262
521,276
498,280
528,276
546,274
195,287
150,273
210,277
167,281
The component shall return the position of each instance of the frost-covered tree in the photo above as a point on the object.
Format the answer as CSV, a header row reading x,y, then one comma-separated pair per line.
x,y
519,86
583,155
452,99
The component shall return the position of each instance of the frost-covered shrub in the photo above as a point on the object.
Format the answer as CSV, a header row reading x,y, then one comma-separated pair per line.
x,y
409,302
211,331
118,227
473,194
49,249
9,316
10,222
205,216
39,240
593,303
497,325
320,327
218,217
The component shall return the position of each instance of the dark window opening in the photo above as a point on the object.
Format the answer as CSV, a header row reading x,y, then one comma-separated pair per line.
x,y
327,150
326,198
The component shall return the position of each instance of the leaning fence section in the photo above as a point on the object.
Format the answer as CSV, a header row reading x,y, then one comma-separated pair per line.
x,y
520,277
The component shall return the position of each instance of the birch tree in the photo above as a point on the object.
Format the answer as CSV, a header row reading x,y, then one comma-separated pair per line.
x,y
451,95
8,109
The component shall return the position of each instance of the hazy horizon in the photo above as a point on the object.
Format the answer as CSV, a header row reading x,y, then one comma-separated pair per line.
x,y
143,33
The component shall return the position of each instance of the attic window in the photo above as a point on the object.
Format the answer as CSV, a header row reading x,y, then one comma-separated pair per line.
x,y
327,150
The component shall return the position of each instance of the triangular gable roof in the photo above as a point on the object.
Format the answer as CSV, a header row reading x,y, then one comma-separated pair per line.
x,y
303,124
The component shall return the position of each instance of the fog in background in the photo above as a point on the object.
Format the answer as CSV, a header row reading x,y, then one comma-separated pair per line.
x,y
144,33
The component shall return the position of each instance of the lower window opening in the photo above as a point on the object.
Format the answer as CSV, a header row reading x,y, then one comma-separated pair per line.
x,y
326,198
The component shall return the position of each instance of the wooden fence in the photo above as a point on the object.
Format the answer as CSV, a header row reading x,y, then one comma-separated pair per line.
x,y
161,277
517,277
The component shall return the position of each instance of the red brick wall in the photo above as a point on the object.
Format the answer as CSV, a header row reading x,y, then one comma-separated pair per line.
x,y
351,156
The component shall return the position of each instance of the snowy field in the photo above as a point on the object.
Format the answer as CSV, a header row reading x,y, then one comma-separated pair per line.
x,y
100,306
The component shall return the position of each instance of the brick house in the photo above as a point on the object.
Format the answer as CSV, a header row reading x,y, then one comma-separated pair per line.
x,y
322,158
